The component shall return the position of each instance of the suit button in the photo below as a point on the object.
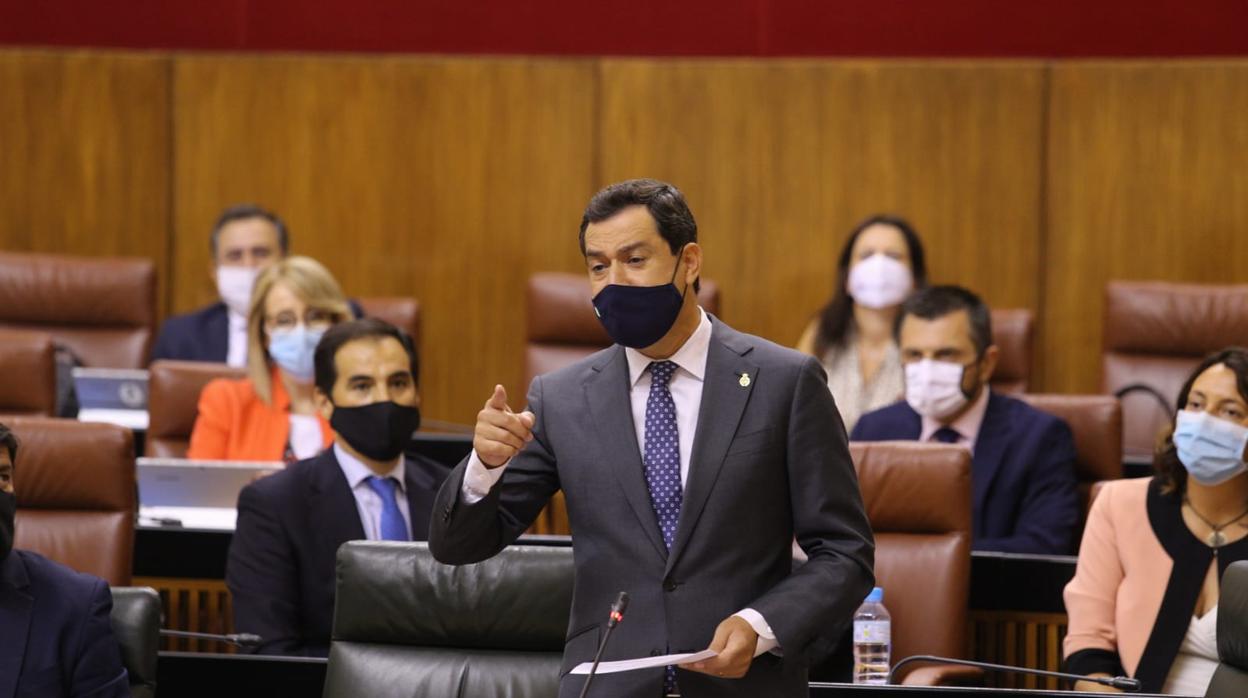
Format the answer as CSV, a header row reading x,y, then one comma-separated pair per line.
x,y
670,585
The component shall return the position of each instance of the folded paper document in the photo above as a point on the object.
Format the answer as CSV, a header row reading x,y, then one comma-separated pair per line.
x,y
644,662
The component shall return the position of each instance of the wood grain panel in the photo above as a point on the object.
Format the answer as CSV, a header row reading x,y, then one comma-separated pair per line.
x,y
1146,181
84,154
780,159
450,180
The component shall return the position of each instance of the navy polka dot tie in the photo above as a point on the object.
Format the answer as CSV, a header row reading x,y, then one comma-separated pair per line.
x,y
662,461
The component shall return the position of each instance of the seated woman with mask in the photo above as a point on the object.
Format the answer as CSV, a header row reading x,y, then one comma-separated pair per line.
x,y
270,415
1144,599
881,264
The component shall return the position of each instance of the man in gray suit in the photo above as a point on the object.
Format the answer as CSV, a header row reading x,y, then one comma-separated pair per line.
x,y
690,456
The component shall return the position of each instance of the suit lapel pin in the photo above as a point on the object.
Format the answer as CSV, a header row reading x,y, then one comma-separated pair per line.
x,y
745,380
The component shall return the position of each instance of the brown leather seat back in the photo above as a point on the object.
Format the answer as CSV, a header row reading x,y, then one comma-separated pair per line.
x,y
1154,335
562,327
76,494
918,499
173,402
1096,422
402,312
1012,333
28,364
102,309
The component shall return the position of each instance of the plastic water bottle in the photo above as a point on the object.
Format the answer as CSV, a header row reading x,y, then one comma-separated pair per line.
x,y
872,640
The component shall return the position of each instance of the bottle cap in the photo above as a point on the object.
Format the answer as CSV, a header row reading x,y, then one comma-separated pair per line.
x,y
876,595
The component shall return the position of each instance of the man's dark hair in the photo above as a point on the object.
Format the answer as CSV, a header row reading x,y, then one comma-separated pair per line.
x,y
938,301
664,202
9,440
242,212
345,332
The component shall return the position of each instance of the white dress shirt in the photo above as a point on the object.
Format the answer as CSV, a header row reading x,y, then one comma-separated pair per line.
x,y
685,386
369,502
236,354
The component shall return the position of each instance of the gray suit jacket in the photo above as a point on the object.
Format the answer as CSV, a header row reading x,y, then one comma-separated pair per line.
x,y
769,462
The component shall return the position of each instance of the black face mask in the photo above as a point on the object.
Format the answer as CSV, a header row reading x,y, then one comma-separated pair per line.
x,y
8,513
639,316
380,430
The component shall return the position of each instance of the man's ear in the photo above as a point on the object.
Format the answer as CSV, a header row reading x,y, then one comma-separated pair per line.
x,y
323,404
989,364
692,257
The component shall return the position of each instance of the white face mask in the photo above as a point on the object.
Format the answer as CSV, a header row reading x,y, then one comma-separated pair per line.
x,y
879,281
934,388
234,285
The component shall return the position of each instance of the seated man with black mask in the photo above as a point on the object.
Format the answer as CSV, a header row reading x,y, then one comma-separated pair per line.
x,y
291,524
56,637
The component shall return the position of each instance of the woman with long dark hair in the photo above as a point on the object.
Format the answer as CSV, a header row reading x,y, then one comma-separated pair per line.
x,y
1144,599
881,264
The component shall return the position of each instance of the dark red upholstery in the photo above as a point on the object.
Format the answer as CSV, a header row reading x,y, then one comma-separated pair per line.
x,y
76,494
1154,335
1096,422
28,364
918,498
1012,333
102,309
173,402
400,311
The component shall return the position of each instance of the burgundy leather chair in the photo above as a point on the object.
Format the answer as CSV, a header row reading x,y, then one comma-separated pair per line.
x,y
1096,422
28,364
400,311
76,494
173,402
1154,335
918,499
1012,333
101,309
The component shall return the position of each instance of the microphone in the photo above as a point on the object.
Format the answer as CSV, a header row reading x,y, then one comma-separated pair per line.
x,y
617,615
1125,683
245,640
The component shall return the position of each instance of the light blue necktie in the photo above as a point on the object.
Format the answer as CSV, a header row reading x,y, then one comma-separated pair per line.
x,y
393,527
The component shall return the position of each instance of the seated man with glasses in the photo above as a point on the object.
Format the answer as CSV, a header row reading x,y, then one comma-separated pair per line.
x,y
1024,494
271,415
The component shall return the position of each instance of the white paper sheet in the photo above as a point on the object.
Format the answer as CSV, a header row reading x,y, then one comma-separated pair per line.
x,y
644,662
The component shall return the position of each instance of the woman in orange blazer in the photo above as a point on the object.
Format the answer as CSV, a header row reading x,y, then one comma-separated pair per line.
x,y
1145,593
270,415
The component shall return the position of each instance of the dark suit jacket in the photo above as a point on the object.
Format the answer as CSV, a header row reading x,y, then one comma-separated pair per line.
x,y
1023,474
769,462
202,335
280,569
56,638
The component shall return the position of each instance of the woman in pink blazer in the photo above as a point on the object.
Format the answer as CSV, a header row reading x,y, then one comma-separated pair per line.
x,y
1144,597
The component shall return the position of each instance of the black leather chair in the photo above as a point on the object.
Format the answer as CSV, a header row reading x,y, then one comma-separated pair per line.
x,y
1231,678
407,625
136,623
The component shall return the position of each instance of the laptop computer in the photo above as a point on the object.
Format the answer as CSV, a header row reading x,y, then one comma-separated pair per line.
x,y
112,395
200,494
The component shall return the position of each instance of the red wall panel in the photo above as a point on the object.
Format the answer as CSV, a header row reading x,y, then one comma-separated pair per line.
x,y
919,28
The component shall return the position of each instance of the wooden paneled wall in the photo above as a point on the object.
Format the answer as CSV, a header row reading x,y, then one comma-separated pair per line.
x,y
453,179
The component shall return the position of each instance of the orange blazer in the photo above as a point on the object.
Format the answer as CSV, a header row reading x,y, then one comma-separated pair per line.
x,y
235,424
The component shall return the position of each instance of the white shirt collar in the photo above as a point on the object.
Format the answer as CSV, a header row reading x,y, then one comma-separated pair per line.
x,y
691,356
357,472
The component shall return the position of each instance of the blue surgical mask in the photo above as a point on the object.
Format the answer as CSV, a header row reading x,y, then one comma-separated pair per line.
x,y
639,316
293,351
1211,449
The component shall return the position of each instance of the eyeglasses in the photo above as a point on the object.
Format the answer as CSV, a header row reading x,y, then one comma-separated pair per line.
x,y
313,319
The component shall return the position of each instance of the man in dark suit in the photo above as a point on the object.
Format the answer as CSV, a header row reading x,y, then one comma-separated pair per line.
x,y
245,240
1024,491
690,456
290,525
56,638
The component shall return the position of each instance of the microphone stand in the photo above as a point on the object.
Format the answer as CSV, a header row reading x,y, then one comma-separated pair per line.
x,y
1122,682
236,639
617,615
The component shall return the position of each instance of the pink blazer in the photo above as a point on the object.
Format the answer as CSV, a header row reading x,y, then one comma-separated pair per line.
x,y
1139,574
